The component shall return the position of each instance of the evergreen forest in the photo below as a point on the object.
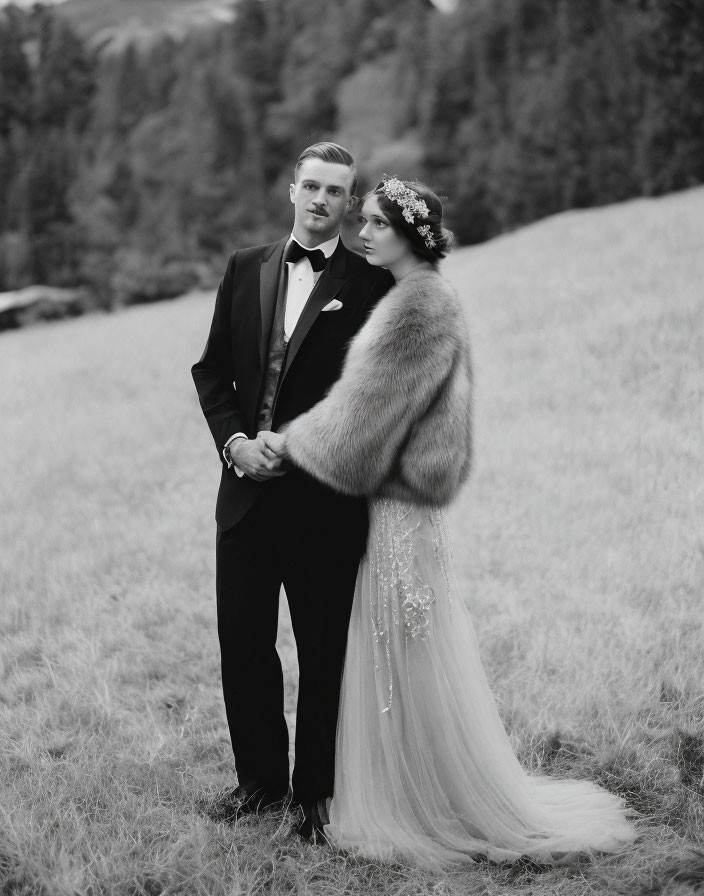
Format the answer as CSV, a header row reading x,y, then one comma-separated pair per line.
x,y
136,172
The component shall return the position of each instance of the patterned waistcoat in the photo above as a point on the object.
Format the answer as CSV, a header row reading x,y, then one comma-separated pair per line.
x,y
276,358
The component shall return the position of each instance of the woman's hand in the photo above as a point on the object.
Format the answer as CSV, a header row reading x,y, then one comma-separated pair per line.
x,y
273,444
255,458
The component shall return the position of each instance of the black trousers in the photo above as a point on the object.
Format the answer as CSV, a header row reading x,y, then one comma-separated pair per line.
x,y
311,541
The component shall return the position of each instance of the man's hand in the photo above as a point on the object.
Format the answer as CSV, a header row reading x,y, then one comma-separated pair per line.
x,y
256,459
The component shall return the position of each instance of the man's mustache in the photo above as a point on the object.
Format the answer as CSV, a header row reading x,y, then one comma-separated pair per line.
x,y
319,211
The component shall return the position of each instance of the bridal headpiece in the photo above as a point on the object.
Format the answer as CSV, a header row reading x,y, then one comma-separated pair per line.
x,y
411,205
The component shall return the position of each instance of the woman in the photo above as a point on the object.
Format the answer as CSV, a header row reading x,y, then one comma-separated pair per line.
x,y
424,769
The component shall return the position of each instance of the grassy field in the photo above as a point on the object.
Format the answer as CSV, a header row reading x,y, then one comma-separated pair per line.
x,y
579,545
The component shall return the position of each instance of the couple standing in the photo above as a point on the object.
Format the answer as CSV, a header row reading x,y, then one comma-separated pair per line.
x,y
338,394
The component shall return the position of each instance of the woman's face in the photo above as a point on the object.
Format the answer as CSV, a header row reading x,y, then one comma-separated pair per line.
x,y
383,246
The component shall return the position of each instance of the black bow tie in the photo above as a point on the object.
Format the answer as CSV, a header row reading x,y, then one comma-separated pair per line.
x,y
316,257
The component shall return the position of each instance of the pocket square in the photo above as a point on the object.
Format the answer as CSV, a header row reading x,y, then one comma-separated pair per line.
x,y
335,305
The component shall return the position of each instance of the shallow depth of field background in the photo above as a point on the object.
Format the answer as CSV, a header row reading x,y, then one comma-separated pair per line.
x,y
141,140
579,547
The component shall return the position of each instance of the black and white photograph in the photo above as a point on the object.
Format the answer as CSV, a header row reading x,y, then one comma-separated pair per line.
x,y
352,456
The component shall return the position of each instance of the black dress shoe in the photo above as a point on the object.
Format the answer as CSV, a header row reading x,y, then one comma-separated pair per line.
x,y
239,801
312,827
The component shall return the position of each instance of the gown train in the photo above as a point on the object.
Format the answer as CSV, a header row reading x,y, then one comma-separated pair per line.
x,y
424,768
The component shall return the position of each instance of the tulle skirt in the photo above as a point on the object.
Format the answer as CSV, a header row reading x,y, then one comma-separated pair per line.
x,y
424,769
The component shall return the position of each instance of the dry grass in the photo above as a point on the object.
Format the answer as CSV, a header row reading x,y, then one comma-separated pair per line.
x,y
579,545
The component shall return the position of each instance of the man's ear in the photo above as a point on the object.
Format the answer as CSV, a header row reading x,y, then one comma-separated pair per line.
x,y
292,192
352,203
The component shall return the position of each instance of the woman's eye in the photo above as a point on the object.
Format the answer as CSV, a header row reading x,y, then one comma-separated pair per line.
x,y
361,219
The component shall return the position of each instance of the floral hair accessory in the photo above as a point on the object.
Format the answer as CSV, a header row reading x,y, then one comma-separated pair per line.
x,y
411,205
410,202
424,231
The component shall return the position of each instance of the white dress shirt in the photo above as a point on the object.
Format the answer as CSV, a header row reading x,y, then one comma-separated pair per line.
x,y
300,283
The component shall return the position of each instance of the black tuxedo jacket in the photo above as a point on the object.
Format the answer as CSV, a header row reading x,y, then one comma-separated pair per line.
x,y
229,376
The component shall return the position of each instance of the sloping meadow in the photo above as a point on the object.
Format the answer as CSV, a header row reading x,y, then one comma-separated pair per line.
x,y
579,547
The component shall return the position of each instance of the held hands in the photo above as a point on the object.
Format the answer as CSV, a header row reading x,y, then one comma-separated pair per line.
x,y
260,458
275,443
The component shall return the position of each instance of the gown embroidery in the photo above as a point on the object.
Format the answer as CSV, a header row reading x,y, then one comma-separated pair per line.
x,y
397,593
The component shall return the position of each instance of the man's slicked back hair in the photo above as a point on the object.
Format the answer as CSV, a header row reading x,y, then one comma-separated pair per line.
x,y
329,152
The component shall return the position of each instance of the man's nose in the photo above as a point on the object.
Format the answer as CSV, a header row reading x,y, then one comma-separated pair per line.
x,y
320,197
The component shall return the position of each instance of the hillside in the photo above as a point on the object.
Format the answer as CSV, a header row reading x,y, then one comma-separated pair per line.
x,y
577,547
114,25
134,172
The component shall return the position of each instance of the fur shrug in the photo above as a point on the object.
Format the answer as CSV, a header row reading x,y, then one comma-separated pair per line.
x,y
398,421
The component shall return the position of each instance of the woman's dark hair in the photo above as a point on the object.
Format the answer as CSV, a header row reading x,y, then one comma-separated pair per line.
x,y
433,231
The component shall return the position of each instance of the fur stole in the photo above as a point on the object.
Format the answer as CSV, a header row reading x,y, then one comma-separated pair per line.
x,y
397,423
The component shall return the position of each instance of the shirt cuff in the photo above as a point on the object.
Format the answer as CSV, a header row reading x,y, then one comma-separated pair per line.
x,y
226,453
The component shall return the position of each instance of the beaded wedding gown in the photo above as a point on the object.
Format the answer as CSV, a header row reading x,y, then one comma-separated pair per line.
x,y
424,769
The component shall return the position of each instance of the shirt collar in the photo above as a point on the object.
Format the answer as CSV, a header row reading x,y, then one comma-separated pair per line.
x,y
327,247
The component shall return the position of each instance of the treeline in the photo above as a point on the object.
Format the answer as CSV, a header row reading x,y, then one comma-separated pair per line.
x,y
136,173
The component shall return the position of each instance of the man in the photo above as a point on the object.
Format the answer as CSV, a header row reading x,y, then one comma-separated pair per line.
x,y
284,314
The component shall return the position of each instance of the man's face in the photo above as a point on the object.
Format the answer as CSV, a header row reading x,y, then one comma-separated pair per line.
x,y
321,196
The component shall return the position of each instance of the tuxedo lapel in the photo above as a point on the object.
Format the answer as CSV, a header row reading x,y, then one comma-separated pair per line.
x,y
326,289
269,281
